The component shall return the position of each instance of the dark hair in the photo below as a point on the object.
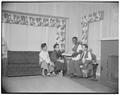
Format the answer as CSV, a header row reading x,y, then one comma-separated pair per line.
x,y
43,45
86,46
55,45
75,38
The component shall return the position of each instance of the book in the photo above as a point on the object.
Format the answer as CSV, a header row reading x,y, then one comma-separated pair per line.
x,y
67,54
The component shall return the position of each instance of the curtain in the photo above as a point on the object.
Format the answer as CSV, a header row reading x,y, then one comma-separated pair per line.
x,y
22,38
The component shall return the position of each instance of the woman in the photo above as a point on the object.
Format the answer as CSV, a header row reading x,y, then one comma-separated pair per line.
x,y
74,65
45,61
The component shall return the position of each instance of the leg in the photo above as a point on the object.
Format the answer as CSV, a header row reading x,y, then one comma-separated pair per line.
x,y
58,67
90,70
64,67
87,68
78,70
43,72
71,67
94,70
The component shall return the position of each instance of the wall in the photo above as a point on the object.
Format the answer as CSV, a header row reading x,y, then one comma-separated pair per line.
x,y
73,10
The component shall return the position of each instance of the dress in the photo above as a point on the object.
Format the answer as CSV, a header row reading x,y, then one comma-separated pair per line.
x,y
44,59
74,65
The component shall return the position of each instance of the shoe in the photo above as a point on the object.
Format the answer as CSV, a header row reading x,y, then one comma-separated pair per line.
x,y
73,76
94,79
48,74
54,74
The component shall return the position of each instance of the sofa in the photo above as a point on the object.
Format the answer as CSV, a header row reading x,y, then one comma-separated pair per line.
x,y
22,63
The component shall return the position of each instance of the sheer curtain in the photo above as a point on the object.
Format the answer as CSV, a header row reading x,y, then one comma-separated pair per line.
x,y
28,38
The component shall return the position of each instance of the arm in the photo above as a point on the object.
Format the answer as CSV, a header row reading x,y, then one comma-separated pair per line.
x,y
79,51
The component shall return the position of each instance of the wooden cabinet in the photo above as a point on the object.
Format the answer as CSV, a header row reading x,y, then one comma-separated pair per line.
x,y
112,68
109,71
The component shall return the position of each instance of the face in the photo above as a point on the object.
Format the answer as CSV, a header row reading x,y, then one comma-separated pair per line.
x,y
84,48
45,48
74,41
57,48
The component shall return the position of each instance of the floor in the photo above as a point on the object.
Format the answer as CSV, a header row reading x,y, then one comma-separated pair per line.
x,y
40,84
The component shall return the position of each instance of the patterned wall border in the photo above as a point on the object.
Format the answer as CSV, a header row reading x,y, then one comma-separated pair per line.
x,y
12,17
86,20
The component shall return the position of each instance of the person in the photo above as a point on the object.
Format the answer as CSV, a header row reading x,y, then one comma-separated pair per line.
x,y
74,64
86,60
45,61
58,60
94,63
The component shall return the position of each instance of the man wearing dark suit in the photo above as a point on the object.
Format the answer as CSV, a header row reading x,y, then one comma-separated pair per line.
x,y
59,60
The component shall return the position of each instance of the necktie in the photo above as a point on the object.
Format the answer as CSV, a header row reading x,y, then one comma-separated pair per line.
x,y
82,56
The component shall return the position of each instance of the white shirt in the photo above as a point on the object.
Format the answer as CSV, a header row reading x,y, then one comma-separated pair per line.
x,y
79,55
44,56
88,58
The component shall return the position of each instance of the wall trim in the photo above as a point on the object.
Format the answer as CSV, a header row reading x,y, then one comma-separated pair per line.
x,y
110,38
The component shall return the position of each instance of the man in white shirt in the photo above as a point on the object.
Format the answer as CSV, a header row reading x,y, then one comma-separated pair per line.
x,y
86,60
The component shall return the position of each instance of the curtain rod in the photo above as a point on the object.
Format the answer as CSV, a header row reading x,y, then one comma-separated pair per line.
x,y
31,14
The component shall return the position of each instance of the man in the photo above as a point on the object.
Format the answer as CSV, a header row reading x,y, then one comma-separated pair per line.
x,y
74,65
86,60
58,60
94,63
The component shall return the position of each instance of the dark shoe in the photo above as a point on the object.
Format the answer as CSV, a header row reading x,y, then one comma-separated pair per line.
x,y
94,79
73,76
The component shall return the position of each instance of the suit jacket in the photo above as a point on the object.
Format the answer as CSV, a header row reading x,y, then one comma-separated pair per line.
x,y
55,56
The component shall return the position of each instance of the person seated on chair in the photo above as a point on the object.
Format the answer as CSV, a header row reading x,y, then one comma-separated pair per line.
x,y
74,64
86,60
45,61
58,60
94,63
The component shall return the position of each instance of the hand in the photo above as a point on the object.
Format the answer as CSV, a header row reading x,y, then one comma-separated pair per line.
x,y
74,54
62,61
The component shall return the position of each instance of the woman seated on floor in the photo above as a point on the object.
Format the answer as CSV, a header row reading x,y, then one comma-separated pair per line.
x,y
58,60
45,62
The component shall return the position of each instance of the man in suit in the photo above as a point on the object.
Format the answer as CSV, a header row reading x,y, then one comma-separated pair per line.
x,y
87,62
59,60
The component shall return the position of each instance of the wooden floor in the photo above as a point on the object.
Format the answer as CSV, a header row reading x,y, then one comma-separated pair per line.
x,y
39,84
